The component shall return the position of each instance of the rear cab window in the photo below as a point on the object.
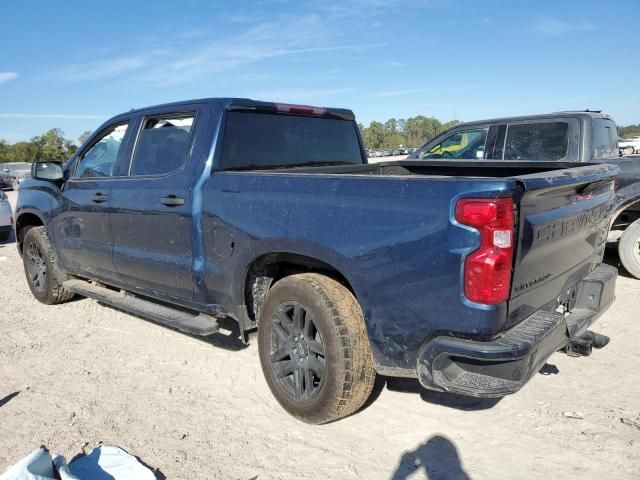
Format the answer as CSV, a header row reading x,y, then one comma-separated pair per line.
x,y
605,138
537,141
257,141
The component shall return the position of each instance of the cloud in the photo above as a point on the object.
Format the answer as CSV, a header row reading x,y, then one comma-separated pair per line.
x,y
176,58
553,27
66,116
100,69
279,37
7,76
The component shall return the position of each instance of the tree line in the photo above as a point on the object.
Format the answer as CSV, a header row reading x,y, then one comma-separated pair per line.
x,y
629,131
410,132
51,145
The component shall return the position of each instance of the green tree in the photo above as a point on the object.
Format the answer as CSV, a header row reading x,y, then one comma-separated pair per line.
x,y
53,146
629,131
84,136
374,135
24,152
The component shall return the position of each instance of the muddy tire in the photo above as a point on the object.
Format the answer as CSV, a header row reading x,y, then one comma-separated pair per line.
x,y
314,349
629,249
41,268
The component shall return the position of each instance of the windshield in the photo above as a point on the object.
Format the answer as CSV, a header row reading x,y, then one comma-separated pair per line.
x,y
264,140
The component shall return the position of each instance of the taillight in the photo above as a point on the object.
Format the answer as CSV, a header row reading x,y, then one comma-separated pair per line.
x,y
487,270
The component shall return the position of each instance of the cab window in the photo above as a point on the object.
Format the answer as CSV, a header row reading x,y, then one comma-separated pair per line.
x,y
537,141
605,138
465,144
163,145
100,159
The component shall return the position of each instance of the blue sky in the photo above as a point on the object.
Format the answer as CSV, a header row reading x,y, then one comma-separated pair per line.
x,y
72,64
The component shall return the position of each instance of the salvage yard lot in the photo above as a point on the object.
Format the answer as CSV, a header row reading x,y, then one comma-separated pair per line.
x,y
79,373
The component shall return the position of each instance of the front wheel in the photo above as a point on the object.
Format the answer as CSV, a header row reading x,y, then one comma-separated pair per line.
x,y
629,249
41,268
314,348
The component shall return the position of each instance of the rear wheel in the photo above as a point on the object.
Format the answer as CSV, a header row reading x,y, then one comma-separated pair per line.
x,y
41,268
627,150
629,249
314,348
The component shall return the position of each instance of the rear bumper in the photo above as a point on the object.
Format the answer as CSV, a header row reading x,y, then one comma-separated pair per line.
x,y
503,365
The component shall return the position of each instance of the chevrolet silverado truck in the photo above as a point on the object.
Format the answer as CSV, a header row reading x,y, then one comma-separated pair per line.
x,y
582,137
465,276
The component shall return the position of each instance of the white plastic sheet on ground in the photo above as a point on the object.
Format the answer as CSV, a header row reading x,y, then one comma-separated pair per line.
x,y
102,463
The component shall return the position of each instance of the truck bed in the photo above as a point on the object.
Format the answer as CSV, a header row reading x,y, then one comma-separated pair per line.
x,y
483,169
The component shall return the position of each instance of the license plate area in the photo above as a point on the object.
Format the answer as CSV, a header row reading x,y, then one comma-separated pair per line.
x,y
566,302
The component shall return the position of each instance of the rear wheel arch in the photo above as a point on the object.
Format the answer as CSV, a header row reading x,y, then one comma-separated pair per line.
x,y
266,270
627,214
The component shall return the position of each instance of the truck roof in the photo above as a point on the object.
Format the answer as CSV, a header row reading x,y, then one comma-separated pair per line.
x,y
541,116
242,102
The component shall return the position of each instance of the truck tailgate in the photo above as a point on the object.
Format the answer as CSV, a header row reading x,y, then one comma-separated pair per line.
x,y
563,221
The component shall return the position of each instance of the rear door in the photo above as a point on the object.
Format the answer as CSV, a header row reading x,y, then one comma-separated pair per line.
x,y
563,222
151,207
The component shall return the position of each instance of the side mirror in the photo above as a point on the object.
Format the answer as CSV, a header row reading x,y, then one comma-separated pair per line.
x,y
47,171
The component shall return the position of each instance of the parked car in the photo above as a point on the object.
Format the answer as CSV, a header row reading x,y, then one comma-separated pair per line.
x,y
629,146
467,277
583,137
12,174
6,217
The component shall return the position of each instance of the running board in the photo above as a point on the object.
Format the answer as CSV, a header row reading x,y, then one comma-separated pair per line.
x,y
193,323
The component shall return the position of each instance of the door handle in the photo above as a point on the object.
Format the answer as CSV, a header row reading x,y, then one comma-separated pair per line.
x,y
99,198
172,201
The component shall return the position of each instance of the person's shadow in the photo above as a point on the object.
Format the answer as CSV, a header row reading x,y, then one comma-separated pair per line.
x,y
438,458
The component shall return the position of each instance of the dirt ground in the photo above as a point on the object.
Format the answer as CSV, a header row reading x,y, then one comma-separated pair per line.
x,y
80,373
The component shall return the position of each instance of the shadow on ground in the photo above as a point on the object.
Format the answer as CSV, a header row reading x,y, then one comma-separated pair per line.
x,y
8,398
438,457
444,399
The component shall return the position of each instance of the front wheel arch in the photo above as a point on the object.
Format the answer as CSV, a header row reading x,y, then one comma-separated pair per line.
x,y
24,223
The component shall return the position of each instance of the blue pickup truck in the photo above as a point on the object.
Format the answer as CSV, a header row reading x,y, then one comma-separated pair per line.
x,y
466,276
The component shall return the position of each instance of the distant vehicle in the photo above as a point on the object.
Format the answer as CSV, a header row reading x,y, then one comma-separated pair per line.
x,y
12,174
585,137
629,146
410,150
466,277
6,217
396,152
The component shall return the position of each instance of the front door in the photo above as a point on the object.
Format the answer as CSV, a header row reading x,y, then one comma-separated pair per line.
x,y
150,209
80,222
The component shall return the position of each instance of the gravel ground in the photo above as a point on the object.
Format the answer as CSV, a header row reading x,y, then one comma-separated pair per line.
x,y
76,374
